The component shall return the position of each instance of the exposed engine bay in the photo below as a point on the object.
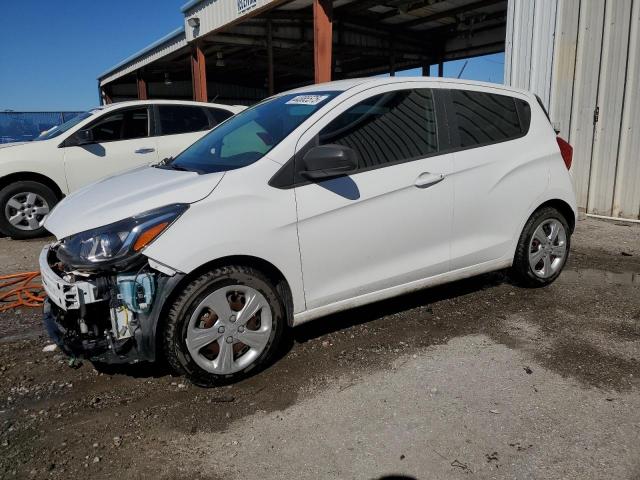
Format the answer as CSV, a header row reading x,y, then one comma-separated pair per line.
x,y
102,315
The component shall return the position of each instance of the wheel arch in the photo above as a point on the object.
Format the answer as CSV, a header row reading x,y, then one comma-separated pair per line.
x,y
33,177
271,271
564,208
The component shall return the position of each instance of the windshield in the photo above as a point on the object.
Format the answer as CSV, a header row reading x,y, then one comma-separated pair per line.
x,y
249,135
60,129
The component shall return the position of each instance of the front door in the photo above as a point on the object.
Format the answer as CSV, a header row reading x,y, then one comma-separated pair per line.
x,y
388,224
121,141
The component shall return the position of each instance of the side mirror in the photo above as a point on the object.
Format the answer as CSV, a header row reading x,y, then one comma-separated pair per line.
x,y
329,161
82,137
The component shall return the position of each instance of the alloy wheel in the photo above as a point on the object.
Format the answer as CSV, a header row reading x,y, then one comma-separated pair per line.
x,y
26,211
548,248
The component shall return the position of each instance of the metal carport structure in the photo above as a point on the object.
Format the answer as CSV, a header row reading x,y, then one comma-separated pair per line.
x,y
239,51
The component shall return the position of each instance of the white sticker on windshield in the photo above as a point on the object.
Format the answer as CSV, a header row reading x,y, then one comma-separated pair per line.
x,y
307,99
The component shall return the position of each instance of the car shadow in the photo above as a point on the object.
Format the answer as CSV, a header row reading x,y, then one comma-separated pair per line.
x,y
374,311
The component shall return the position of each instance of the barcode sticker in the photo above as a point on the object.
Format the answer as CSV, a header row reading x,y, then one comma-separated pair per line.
x,y
307,99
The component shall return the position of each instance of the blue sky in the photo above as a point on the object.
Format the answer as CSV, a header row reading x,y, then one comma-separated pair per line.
x,y
52,51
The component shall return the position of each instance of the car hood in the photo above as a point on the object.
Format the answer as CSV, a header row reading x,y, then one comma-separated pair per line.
x,y
125,195
11,144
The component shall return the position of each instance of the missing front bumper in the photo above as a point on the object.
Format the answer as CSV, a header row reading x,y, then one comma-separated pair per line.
x,y
108,317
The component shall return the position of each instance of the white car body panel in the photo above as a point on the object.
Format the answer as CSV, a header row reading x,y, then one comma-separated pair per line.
x,y
382,237
122,196
348,227
89,163
71,168
214,228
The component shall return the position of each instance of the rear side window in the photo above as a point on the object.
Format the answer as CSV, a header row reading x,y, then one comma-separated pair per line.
x,y
218,115
391,127
176,119
483,118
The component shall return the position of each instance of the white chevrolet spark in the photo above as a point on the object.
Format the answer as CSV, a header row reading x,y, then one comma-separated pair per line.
x,y
311,202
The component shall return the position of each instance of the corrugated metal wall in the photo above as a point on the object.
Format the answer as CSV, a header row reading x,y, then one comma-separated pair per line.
x,y
214,14
582,57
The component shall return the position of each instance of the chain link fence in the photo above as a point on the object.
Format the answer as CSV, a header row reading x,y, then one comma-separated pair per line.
x,y
25,126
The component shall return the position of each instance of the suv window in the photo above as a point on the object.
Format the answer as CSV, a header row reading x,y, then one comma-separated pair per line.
x,y
176,119
122,125
391,127
484,118
218,115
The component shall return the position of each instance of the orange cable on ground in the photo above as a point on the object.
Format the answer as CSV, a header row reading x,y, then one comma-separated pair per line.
x,y
20,290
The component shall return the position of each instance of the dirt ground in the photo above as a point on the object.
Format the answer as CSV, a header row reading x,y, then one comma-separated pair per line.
x,y
478,379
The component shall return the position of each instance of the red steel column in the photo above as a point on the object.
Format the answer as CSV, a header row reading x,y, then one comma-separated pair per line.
x,y
142,88
199,74
322,39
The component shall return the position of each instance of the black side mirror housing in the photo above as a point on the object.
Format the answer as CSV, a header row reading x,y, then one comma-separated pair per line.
x,y
82,137
329,161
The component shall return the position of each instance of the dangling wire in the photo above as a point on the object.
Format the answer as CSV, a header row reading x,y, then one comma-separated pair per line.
x,y
20,290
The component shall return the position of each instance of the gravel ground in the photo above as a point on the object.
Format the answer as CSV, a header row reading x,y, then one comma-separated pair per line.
x,y
475,379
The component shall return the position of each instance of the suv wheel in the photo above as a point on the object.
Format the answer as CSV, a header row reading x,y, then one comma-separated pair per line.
x,y
225,324
543,248
24,206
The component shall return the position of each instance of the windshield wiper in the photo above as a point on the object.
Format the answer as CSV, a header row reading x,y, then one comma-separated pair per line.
x,y
178,167
163,162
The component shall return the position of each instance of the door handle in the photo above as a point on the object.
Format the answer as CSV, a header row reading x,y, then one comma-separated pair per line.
x,y
145,150
427,179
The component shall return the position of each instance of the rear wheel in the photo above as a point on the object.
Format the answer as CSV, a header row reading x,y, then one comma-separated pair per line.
x,y
24,206
225,324
543,248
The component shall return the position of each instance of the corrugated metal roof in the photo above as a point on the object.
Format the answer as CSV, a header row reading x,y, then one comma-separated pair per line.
x,y
189,5
147,49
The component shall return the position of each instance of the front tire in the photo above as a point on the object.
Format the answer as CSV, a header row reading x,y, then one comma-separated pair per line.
x,y
543,248
24,206
224,325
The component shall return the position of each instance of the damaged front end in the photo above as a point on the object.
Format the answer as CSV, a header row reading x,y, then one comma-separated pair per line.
x,y
104,297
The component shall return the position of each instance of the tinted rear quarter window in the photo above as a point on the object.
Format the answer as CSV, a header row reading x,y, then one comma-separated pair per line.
x,y
175,119
484,118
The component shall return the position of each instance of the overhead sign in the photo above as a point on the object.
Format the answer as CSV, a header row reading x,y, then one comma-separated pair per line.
x,y
246,5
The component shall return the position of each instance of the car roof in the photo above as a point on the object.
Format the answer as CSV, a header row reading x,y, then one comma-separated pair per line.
x,y
343,85
133,103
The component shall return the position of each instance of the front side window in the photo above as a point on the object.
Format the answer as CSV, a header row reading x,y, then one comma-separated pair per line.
x,y
485,118
250,134
122,125
60,129
176,119
387,128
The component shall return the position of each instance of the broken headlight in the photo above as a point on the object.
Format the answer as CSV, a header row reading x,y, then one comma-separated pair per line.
x,y
117,242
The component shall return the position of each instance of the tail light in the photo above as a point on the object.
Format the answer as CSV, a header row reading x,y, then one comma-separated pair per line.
x,y
566,150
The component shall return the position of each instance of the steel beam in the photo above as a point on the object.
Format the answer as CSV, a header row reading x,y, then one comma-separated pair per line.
x,y
141,84
199,74
322,39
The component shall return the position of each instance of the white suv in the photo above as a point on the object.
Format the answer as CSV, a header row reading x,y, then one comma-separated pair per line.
x,y
34,176
311,202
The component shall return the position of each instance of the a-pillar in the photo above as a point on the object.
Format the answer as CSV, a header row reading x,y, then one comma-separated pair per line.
x,y
322,39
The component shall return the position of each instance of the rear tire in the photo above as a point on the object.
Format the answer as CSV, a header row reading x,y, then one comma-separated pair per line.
x,y
23,208
543,248
213,316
